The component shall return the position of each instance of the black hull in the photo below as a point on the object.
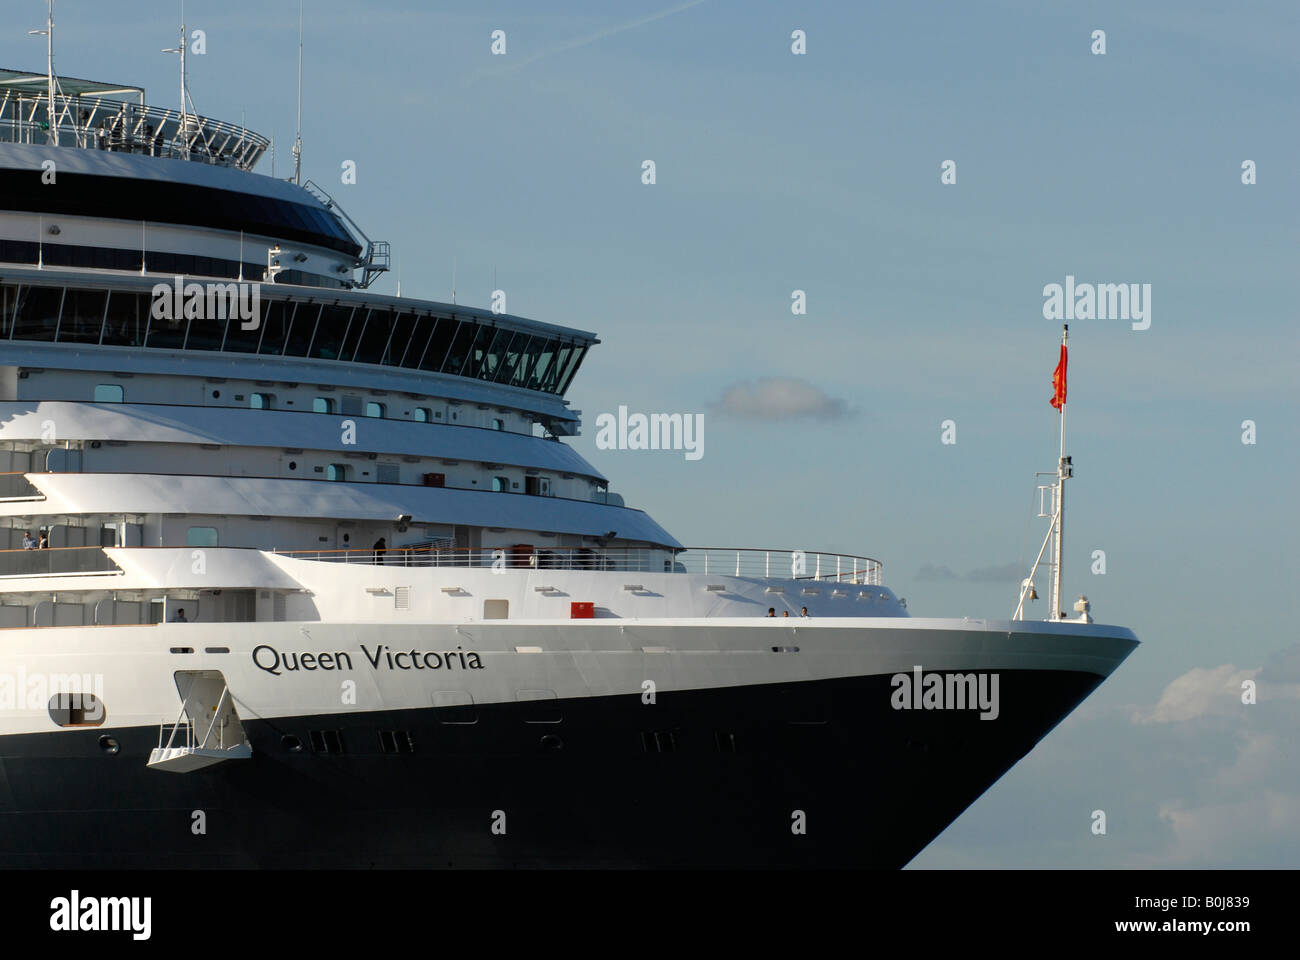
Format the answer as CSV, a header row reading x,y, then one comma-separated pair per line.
x,y
598,789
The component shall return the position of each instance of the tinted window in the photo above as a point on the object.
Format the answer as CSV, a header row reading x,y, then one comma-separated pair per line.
x,y
108,393
302,329
420,336
400,339
375,338
275,324
128,315
331,331
83,316
239,340
435,354
460,347
38,313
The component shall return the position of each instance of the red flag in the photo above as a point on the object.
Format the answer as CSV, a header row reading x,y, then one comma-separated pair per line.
x,y
1058,381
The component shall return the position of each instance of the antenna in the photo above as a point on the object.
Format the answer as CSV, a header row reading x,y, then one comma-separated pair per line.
x,y
183,123
48,33
453,280
297,145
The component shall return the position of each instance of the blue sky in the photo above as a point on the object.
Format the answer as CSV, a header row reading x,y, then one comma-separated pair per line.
x,y
821,172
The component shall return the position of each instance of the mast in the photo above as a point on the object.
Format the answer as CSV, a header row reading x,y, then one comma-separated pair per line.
x,y
51,82
1063,472
297,144
54,117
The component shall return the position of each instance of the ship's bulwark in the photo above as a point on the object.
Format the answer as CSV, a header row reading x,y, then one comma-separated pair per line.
x,y
606,786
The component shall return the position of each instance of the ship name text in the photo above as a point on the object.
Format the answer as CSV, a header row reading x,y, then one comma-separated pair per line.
x,y
272,661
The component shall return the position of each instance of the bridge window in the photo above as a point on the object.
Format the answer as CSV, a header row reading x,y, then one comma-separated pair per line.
x,y
421,334
375,337
38,313
399,340
259,401
274,328
128,316
201,537
332,331
322,405
301,330
460,348
435,354
83,316
375,409
108,393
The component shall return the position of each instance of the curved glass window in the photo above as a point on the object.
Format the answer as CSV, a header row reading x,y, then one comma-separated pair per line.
x,y
474,348
400,339
275,327
435,353
108,393
374,340
375,409
331,331
421,415
38,313
421,334
83,316
128,317
301,329
322,405
259,401
239,340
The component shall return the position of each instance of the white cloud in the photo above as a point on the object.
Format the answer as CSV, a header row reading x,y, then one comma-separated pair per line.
x,y
779,398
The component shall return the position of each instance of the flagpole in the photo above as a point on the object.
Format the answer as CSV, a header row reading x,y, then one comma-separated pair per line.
x,y
1062,473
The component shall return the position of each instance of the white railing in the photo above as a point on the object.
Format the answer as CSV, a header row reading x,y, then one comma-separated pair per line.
x,y
721,561
104,123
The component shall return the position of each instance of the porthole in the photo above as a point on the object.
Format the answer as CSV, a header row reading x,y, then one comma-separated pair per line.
x,y
551,743
76,710
293,464
291,743
109,744
216,394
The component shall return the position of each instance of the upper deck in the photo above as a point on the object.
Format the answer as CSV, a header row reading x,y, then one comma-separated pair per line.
x,y
115,118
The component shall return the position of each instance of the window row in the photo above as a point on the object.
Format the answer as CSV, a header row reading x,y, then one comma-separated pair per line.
x,y
359,334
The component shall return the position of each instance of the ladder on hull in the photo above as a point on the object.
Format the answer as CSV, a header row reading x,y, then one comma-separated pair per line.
x,y
224,738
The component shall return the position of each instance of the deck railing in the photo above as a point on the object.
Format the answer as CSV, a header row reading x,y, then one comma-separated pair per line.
x,y
721,561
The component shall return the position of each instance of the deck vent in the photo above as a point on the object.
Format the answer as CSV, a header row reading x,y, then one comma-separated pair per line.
x,y
810,591
715,587
451,590
775,590
182,649
401,598
528,649
634,588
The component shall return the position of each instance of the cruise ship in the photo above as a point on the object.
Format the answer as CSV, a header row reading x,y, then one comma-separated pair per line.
x,y
295,574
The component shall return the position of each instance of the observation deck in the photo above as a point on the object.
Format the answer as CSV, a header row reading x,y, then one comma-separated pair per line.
x,y
115,118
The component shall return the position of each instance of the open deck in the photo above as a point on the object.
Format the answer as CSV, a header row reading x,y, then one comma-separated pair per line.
x,y
99,116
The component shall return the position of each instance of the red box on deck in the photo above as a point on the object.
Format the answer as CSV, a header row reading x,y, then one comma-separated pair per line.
x,y
582,610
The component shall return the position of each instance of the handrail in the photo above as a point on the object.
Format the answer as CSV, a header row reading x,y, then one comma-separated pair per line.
x,y
114,125
735,561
